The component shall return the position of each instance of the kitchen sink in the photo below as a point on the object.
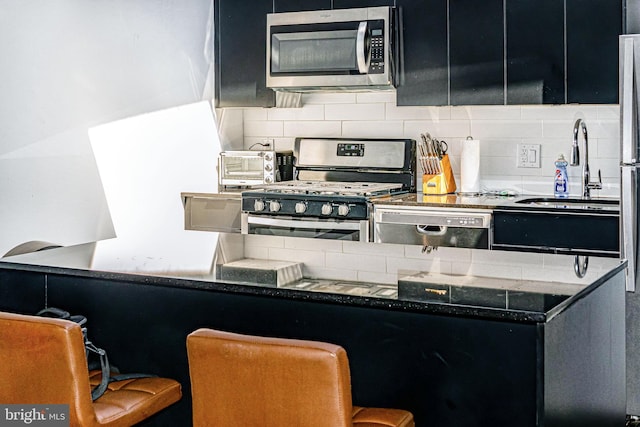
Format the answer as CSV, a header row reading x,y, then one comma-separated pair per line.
x,y
571,203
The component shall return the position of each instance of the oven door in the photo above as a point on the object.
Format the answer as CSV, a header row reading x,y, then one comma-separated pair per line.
x,y
315,228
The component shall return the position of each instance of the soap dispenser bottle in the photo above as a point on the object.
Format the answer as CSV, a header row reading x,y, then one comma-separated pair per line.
x,y
561,181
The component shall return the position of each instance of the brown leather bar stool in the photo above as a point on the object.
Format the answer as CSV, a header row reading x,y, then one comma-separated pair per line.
x,y
243,380
43,361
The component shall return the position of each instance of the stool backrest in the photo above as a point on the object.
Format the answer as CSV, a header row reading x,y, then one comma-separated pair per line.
x,y
243,380
43,361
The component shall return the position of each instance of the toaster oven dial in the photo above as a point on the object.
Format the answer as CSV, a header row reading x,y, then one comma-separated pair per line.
x,y
268,157
326,209
268,167
258,205
343,210
301,207
268,179
274,206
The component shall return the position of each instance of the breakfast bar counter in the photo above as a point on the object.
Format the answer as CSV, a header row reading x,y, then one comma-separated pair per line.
x,y
452,349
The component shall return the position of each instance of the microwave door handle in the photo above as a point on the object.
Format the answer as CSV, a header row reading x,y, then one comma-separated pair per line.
x,y
361,48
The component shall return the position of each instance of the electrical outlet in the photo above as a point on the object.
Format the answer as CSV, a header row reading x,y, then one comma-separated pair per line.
x,y
528,156
268,143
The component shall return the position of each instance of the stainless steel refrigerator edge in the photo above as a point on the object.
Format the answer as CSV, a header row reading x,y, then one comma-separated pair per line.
x,y
629,155
629,186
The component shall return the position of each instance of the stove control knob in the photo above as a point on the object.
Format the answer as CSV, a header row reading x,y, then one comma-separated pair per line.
x,y
301,207
343,210
258,205
274,206
327,209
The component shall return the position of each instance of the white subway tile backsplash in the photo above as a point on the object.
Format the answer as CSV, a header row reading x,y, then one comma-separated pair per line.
x,y
369,249
315,272
346,112
609,112
444,129
320,245
254,240
493,112
499,128
370,277
607,148
376,97
308,112
377,129
417,113
329,98
559,112
264,128
327,129
317,258
492,129
253,114
356,262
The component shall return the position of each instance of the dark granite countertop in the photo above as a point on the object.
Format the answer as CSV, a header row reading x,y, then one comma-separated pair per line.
x,y
603,205
195,260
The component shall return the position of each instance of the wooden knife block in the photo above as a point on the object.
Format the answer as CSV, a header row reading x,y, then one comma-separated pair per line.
x,y
442,183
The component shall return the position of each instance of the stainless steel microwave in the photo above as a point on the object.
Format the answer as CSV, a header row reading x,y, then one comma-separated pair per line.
x,y
332,49
247,168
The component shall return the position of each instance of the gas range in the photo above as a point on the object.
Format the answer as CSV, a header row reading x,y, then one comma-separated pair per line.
x,y
322,199
336,181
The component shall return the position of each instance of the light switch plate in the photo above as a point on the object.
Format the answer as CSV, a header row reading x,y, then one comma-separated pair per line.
x,y
528,156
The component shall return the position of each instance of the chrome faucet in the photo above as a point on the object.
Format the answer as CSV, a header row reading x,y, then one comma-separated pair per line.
x,y
587,185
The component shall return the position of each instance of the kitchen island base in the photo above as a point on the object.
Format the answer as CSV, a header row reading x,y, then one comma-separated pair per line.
x,y
449,368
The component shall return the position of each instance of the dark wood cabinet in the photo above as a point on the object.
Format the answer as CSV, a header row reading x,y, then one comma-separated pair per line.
x,y
424,75
532,52
476,52
593,27
240,60
298,6
454,52
535,52
343,4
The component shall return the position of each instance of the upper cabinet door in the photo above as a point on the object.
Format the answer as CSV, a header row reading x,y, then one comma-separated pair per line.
x,y
476,52
593,27
241,57
344,4
535,52
424,73
297,5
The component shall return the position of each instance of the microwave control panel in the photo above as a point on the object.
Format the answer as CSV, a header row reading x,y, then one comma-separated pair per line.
x,y
376,66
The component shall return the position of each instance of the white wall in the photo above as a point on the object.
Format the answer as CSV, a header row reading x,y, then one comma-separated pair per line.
x,y
500,129
68,65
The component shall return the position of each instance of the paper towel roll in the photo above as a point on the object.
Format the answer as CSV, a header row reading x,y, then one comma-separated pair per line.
x,y
470,166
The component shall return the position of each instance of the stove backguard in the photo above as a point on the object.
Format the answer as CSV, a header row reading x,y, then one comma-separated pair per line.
x,y
349,160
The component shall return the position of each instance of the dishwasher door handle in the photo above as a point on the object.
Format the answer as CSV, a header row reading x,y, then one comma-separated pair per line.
x,y
432,230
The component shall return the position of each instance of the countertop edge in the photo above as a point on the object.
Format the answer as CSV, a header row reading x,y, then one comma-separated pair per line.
x,y
423,307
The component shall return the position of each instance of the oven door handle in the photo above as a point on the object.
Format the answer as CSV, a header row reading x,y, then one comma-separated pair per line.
x,y
295,223
432,230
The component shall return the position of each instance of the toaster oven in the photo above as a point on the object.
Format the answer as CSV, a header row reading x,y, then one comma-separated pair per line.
x,y
247,168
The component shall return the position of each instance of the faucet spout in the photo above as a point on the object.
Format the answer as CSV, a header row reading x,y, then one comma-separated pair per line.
x,y
587,185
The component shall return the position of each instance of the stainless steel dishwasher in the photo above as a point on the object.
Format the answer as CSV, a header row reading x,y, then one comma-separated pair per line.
x,y
433,227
